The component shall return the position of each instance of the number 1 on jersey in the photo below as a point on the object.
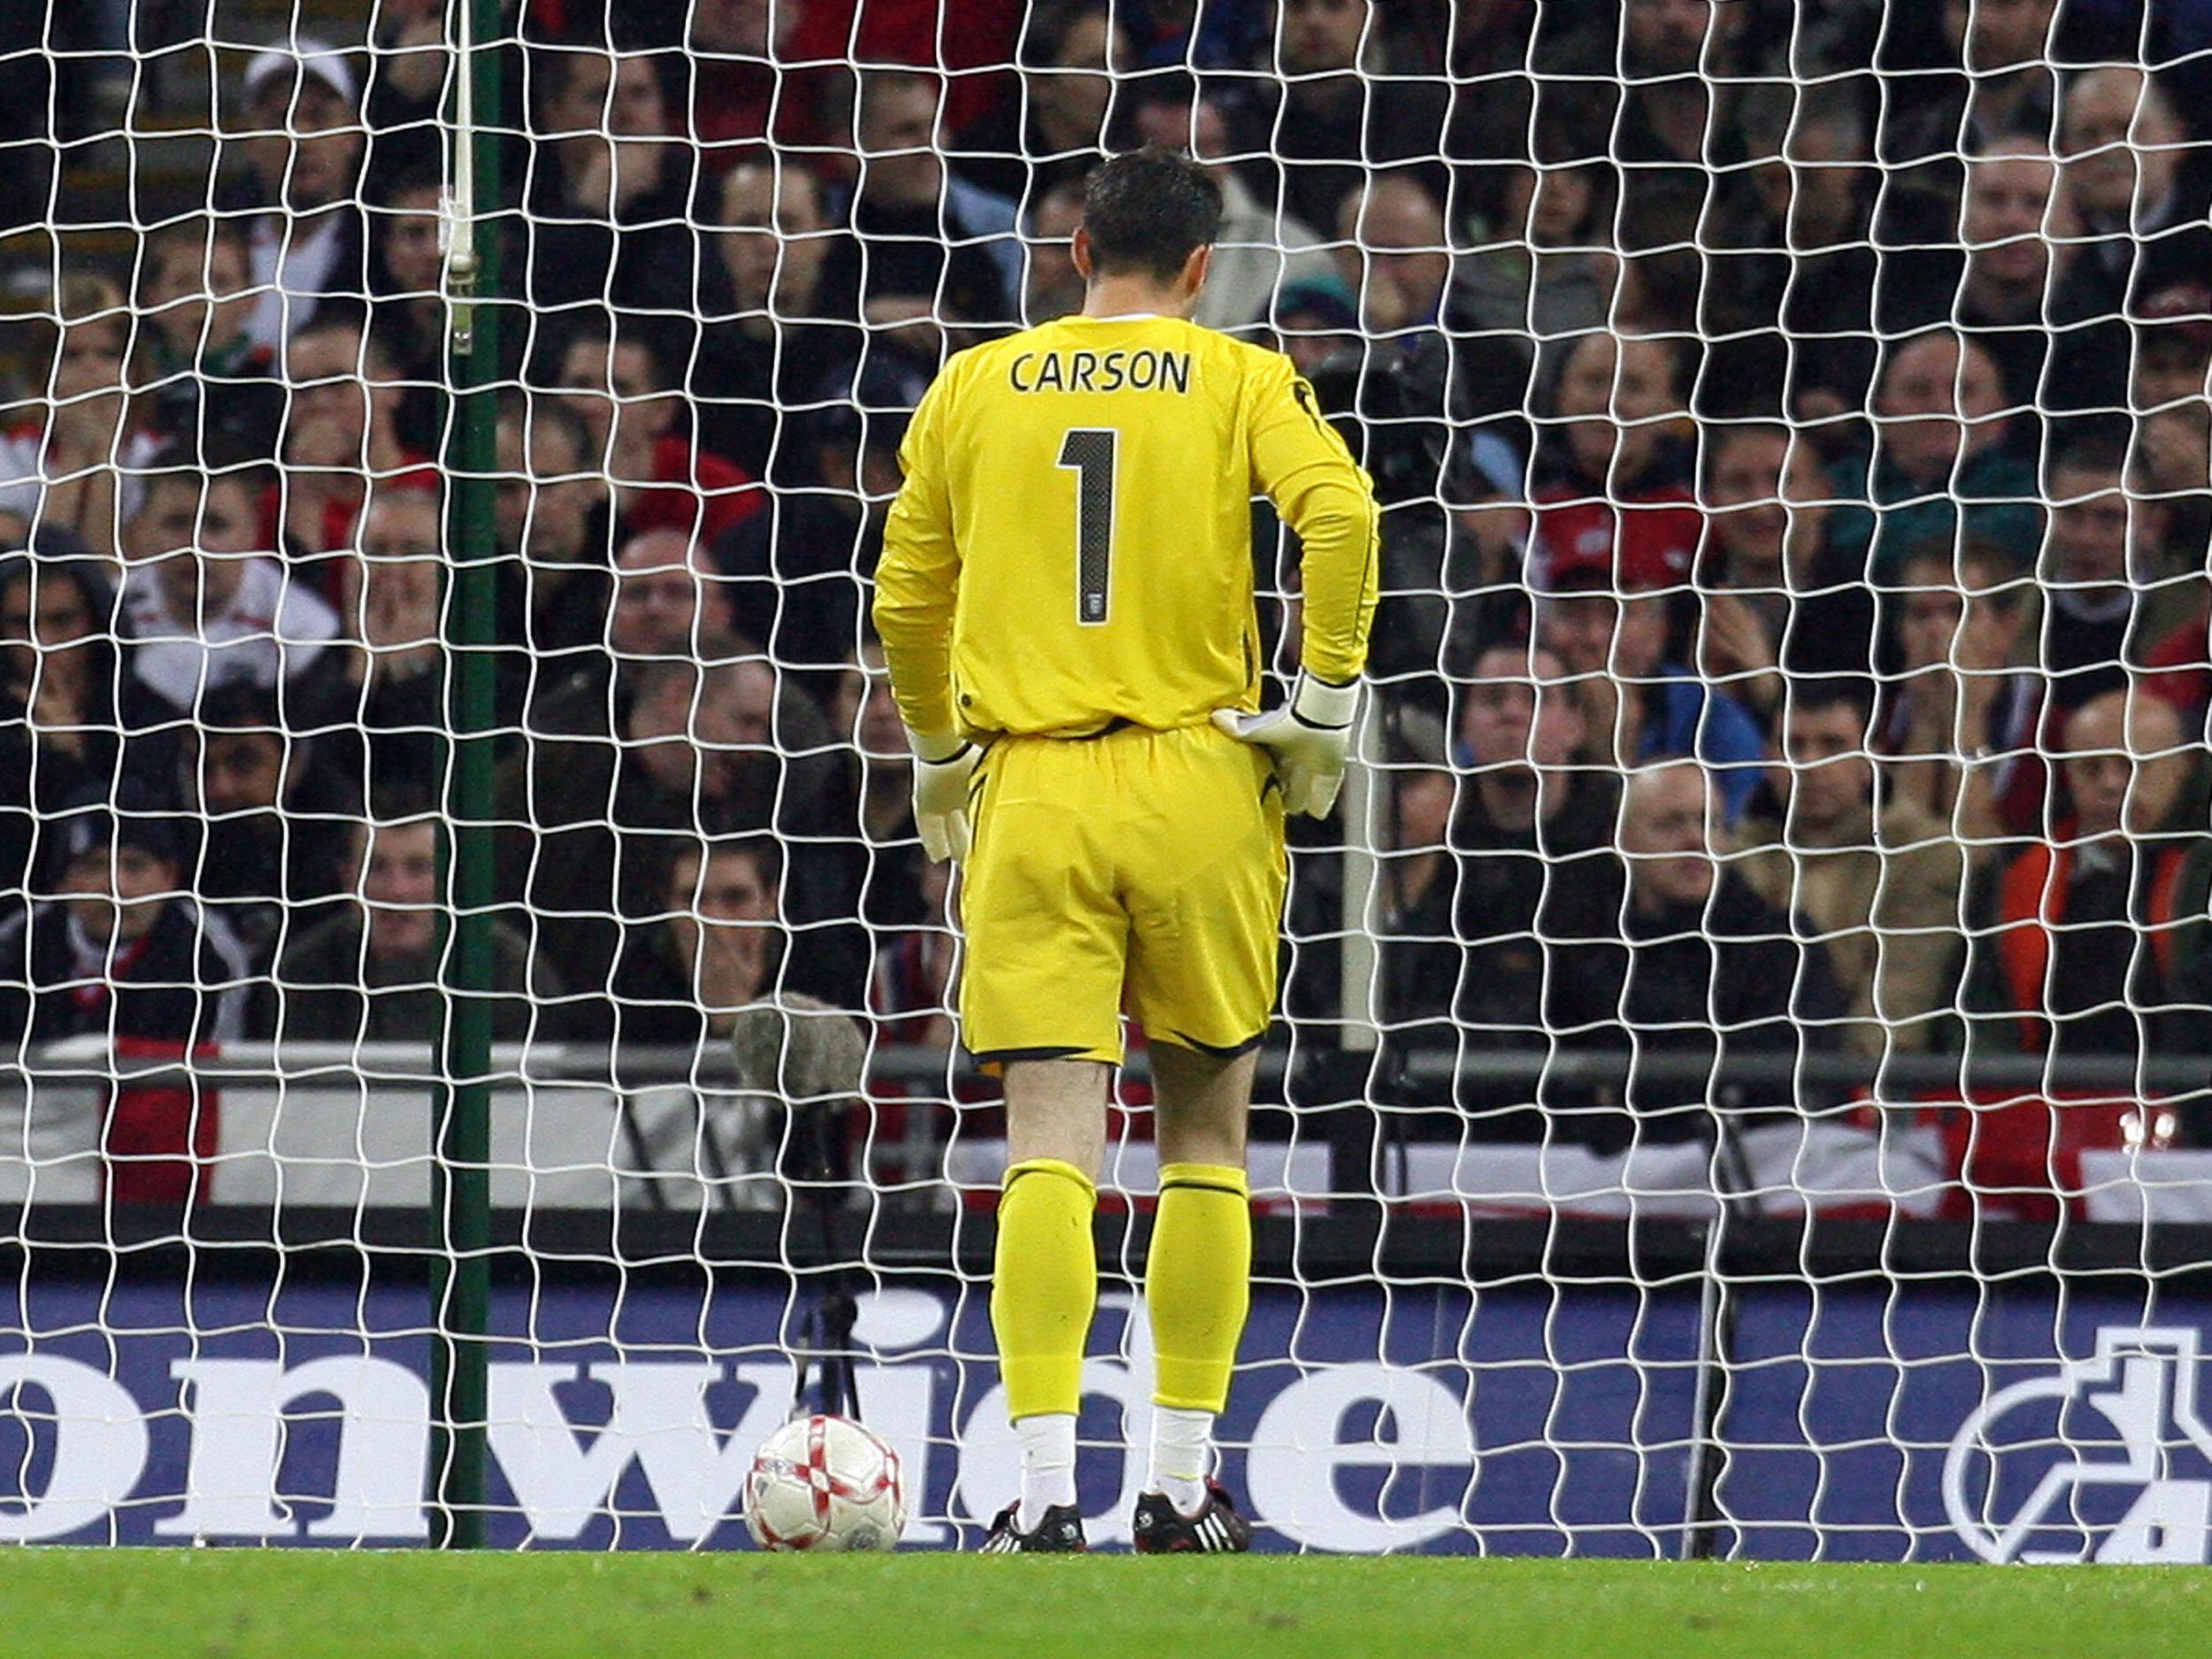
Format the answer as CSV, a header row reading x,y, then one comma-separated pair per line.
x,y
1089,451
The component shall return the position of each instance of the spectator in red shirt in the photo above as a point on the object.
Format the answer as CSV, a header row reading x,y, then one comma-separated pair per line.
x,y
745,84
2180,669
623,390
1058,127
119,952
767,70
2076,948
2173,448
1612,490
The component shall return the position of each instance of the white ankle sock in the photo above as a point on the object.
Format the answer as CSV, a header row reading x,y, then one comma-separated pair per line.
x,y
1182,1457
1048,1465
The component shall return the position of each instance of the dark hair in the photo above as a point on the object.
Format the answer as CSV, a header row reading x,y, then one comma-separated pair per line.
x,y
198,237
130,812
2006,588
526,411
864,404
370,347
395,182
1896,346
847,90
1674,347
2101,450
1178,87
1046,29
1146,211
239,708
85,574
203,485
217,460
765,851
554,67
597,328
1808,694
1068,187
587,325
216,452
1720,434
397,798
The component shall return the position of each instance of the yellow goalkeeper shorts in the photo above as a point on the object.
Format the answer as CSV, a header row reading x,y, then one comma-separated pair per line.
x,y
1139,869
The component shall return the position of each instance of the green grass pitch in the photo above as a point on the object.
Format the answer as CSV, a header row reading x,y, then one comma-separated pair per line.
x,y
288,1604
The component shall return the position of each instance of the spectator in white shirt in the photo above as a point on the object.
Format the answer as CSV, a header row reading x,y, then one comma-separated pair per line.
x,y
304,143
206,602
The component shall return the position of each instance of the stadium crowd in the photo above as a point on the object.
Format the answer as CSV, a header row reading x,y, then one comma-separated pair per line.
x,y
1793,423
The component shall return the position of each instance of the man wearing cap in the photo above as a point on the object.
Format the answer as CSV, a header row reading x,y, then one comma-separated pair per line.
x,y
121,952
1315,319
303,143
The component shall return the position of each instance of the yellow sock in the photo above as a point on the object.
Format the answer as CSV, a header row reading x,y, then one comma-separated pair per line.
x,y
1198,1282
1044,1284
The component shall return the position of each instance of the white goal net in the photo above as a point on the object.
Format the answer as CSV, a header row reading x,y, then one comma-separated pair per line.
x,y
1741,1082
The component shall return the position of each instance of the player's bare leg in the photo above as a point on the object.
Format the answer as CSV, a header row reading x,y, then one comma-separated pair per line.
x,y
1045,1285
1197,1290
1056,1109
1201,1105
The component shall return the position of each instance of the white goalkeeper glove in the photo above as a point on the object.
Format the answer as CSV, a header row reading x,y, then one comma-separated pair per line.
x,y
1309,737
943,764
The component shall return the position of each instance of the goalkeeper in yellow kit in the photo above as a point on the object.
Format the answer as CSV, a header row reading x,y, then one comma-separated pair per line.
x,y
1065,599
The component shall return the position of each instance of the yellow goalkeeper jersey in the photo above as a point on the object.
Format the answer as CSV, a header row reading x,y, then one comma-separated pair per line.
x,y
1073,546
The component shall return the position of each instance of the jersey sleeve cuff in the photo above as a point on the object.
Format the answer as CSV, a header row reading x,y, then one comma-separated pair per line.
x,y
1319,703
934,746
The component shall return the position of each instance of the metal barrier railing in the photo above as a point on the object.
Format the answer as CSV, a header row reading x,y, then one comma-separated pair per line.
x,y
83,1061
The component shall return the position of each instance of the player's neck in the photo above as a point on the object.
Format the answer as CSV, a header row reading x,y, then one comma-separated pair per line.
x,y
1135,296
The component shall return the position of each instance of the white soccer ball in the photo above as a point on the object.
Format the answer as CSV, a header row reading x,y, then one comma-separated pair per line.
x,y
825,1483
